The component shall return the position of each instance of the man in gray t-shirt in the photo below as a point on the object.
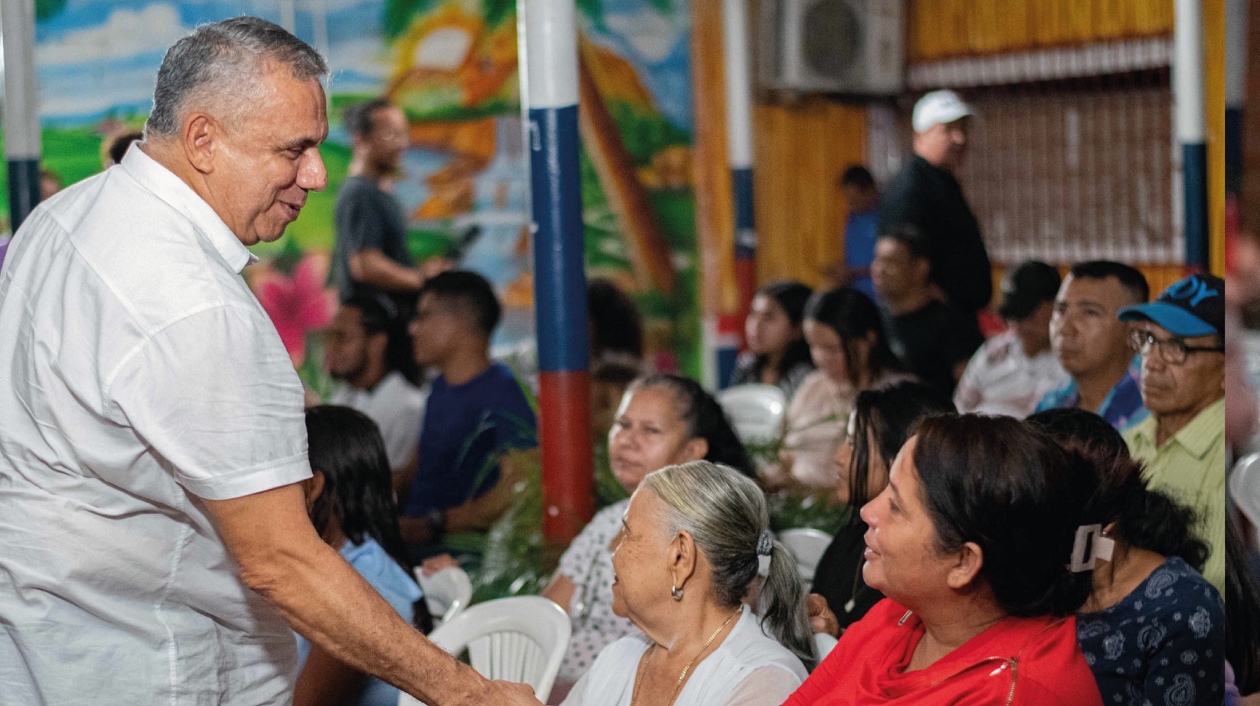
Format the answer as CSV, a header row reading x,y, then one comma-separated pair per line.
x,y
371,255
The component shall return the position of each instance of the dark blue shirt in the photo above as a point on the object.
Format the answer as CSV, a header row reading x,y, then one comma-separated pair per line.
x,y
859,247
1164,643
467,429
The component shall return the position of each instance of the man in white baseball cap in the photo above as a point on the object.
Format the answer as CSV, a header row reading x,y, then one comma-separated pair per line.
x,y
926,194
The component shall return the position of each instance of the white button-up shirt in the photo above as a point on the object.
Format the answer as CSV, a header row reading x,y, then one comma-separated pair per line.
x,y
137,374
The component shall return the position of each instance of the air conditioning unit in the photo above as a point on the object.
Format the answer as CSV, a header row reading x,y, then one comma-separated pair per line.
x,y
832,46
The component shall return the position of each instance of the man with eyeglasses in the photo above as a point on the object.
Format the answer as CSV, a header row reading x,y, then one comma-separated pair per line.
x,y
1181,339
371,257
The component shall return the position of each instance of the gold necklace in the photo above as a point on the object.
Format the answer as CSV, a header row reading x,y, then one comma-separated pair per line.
x,y
634,695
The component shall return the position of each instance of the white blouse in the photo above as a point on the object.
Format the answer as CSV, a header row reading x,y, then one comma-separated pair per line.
x,y
749,668
588,564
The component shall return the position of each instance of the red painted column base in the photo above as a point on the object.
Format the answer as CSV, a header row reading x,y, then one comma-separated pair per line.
x,y
568,477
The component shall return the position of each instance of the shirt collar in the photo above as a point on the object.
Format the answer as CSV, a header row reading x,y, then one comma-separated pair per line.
x,y
1203,431
180,196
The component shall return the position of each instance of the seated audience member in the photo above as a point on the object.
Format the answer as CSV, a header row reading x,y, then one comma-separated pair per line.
x,y
932,339
663,420
1181,340
616,327
609,381
1145,575
1094,346
356,352
861,195
113,150
1013,370
847,343
475,414
351,504
694,539
777,352
878,428
975,566
1242,605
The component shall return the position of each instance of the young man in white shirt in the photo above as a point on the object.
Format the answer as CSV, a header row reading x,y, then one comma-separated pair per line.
x,y
1013,370
357,351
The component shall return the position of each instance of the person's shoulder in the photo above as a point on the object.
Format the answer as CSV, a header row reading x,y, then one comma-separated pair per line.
x,y
749,647
1052,668
401,392
1176,587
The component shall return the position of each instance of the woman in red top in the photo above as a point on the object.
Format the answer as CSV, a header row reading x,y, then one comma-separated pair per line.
x,y
971,543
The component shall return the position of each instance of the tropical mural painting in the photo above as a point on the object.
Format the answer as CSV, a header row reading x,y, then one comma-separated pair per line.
x,y
452,66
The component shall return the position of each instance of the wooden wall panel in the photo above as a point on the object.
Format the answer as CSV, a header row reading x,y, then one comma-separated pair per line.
x,y
801,150
937,29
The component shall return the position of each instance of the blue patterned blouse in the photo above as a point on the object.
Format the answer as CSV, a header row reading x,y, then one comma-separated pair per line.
x,y
1162,645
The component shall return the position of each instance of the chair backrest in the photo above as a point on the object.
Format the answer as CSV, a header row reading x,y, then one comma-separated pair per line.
x,y
807,545
447,593
1244,487
823,644
756,411
520,639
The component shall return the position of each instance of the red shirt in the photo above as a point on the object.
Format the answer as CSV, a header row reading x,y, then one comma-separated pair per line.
x,y
1017,662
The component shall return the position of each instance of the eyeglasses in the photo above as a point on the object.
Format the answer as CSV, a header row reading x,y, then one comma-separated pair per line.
x,y
1172,350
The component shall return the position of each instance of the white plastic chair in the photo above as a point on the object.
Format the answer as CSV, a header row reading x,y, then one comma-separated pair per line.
x,y
823,644
1244,487
447,593
807,545
520,639
756,411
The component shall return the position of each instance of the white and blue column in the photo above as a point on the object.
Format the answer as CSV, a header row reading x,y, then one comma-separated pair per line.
x,y
739,148
1190,124
549,92
21,108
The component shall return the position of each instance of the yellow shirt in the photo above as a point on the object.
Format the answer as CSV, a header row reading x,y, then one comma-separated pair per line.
x,y
1191,468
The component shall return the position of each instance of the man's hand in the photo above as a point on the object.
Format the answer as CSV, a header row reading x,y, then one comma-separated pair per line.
x,y
513,693
324,599
821,619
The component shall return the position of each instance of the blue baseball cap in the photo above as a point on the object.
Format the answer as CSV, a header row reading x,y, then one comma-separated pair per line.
x,y
1194,306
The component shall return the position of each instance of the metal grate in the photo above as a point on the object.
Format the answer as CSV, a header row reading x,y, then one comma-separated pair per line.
x,y
1073,170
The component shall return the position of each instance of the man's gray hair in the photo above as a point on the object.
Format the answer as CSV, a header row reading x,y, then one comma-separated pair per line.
x,y
726,515
225,59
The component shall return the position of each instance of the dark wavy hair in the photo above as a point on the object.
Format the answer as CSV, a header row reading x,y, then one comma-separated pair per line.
x,y
346,447
705,419
852,315
887,414
616,325
1012,490
1145,518
791,296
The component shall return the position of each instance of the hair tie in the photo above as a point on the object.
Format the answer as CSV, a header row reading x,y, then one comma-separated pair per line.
x,y
765,544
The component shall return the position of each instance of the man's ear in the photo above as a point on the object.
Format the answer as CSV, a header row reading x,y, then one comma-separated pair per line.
x,y
200,139
376,345
970,559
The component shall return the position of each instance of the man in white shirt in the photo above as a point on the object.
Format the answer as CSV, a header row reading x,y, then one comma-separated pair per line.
x,y
357,352
1013,370
152,443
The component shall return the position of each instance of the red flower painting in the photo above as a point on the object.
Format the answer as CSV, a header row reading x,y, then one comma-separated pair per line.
x,y
297,303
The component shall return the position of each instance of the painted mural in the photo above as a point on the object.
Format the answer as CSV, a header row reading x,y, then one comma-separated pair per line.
x,y
452,66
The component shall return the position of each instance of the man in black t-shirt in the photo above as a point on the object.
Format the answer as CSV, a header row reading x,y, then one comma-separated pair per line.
x,y
933,339
371,255
926,194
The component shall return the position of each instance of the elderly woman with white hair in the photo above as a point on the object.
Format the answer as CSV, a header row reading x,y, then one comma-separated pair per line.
x,y
695,537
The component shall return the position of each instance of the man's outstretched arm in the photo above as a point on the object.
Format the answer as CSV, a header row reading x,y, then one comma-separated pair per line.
x,y
324,599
